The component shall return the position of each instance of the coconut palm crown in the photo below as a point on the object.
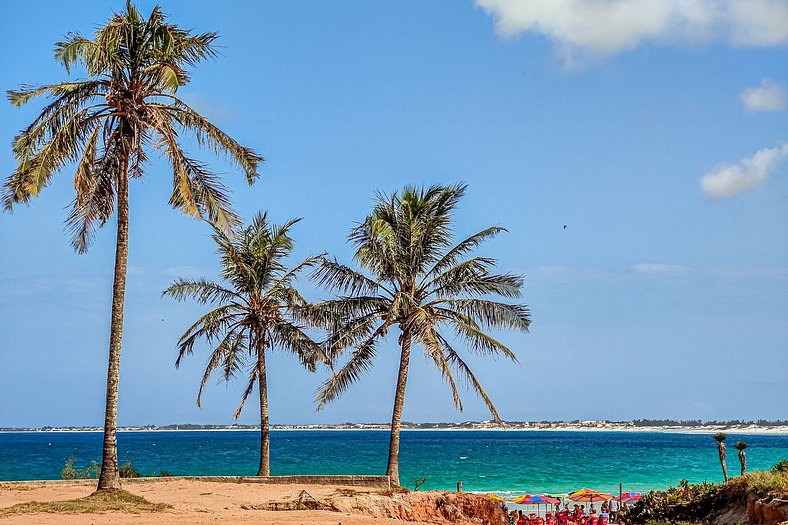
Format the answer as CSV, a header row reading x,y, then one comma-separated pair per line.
x,y
256,309
418,281
106,126
741,446
720,438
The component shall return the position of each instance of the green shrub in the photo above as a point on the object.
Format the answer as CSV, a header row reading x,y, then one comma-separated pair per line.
x,y
781,466
127,471
69,471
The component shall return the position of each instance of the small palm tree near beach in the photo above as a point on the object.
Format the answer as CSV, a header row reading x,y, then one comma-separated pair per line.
x,y
107,125
418,281
740,446
720,438
256,309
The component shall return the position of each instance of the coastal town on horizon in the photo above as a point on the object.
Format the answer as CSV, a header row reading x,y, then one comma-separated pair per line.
x,y
760,426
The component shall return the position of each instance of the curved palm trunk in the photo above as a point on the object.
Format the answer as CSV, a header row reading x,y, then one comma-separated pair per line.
x,y
109,478
721,450
743,461
265,432
396,417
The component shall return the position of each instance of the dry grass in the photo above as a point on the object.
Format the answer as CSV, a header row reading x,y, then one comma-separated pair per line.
x,y
118,500
16,486
763,481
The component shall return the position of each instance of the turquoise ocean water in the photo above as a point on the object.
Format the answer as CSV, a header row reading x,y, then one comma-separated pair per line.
x,y
506,462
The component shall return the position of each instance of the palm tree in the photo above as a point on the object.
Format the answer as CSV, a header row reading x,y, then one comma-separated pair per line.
x,y
421,284
720,437
740,446
256,310
107,125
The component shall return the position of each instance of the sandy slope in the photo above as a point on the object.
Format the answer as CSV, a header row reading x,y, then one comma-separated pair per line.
x,y
193,502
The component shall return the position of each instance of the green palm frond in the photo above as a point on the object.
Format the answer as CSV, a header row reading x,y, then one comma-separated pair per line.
x,y
257,309
212,137
419,283
201,290
465,372
227,354
343,279
360,362
462,248
108,122
429,341
253,376
491,314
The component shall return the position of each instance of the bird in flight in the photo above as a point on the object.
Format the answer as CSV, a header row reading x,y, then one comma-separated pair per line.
x,y
564,226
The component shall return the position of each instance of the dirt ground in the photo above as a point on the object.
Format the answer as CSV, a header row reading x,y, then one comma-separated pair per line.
x,y
193,503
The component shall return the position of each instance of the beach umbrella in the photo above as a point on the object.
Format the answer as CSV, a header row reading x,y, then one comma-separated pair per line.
x,y
496,497
586,495
628,496
538,500
522,499
528,499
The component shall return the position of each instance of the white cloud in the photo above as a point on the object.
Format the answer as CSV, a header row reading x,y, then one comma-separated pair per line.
x,y
727,180
658,268
604,27
769,96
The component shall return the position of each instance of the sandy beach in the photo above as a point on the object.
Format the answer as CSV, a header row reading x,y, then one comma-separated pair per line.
x,y
210,502
193,502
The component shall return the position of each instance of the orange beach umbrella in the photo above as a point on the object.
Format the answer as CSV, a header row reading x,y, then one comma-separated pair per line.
x,y
589,495
522,499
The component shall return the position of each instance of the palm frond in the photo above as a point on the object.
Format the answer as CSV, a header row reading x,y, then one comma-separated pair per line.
x,y
462,248
360,362
465,372
211,136
253,376
468,330
226,351
491,314
342,279
201,290
429,341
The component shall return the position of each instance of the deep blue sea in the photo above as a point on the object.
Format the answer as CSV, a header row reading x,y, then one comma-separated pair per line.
x,y
506,462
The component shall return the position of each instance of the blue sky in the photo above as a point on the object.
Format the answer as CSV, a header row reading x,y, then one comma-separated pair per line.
x,y
655,130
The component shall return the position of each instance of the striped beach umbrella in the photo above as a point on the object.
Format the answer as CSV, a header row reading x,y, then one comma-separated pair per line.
x,y
586,495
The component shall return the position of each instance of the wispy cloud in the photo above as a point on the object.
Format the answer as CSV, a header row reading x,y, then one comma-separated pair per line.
x,y
727,180
769,96
651,268
593,28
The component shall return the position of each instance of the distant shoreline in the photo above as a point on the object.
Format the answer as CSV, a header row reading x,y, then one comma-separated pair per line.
x,y
586,426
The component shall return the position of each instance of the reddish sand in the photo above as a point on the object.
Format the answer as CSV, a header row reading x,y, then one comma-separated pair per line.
x,y
193,503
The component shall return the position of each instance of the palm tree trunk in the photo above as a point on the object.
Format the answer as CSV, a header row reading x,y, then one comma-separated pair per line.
x,y
265,432
399,401
743,461
109,478
721,450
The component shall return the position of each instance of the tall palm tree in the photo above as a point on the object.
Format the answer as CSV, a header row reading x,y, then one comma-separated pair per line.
x,y
422,284
720,437
258,309
107,125
740,446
